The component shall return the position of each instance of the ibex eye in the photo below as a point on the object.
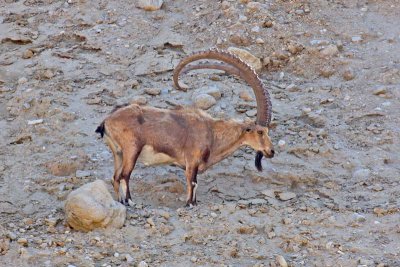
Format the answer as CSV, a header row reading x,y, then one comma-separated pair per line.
x,y
260,132
248,130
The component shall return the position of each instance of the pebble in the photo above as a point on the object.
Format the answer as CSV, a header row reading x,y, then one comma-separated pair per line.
x,y
356,39
193,259
139,100
116,254
213,91
82,174
359,218
22,241
251,113
292,88
27,54
204,101
35,122
143,264
281,143
12,235
348,75
286,196
326,71
330,50
152,91
380,91
260,41
149,5
246,96
213,214
319,42
48,74
281,261
22,80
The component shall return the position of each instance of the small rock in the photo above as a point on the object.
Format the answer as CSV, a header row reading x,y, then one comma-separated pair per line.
x,y
251,113
330,50
281,143
92,206
82,174
116,254
286,196
260,41
11,235
22,241
366,262
149,5
348,75
193,259
152,91
359,218
35,122
287,221
246,96
380,91
48,74
281,261
319,42
22,80
213,214
247,57
268,193
204,101
356,39
27,54
268,24
139,100
212,91
292,88
143,264
326,71
258,201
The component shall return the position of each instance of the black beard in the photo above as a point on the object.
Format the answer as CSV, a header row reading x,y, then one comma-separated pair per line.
x,y
258,159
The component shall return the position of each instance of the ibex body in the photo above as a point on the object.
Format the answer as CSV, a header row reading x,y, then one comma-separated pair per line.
x,y
184,137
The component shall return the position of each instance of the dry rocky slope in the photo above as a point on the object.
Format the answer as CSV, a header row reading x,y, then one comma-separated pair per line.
x,y
331,195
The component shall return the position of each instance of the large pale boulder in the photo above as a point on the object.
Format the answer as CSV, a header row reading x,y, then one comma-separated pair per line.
x,y
247,57
92,206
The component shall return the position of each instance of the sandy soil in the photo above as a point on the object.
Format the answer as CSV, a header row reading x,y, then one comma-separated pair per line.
x,y
333,71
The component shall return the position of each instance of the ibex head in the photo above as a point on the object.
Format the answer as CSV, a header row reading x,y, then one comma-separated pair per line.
x,y
256,135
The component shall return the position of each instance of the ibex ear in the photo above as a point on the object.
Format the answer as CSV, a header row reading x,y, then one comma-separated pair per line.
x,y
249,126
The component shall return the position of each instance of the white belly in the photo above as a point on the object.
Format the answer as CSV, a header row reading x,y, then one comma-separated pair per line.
x,y
150,157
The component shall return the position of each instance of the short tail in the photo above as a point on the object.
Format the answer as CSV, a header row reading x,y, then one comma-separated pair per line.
x,y
101,129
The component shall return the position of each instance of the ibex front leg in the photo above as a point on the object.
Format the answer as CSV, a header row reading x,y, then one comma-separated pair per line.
x,y
191,183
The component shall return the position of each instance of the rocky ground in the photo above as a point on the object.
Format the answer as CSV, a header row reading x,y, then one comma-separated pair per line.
x,y
331,195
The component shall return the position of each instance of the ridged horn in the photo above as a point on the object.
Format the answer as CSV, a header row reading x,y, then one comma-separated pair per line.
x,y
234,65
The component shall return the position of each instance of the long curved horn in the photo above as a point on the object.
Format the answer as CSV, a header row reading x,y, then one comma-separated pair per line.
x,y
236,67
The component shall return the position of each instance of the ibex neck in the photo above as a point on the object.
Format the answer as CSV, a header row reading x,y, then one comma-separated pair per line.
x,y
228,137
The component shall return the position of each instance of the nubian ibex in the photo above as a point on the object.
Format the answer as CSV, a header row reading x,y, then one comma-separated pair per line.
x,y
185,137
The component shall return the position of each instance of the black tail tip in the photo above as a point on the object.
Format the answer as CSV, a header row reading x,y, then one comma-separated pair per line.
x,y
100,129
257,161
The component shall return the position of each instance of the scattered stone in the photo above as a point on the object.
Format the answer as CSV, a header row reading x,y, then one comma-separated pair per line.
x,y
204,101
27,54
365,262
139,100
12,236
258,201
35,122
281,143
22,241
48,74
152,91
319,42
4,246
326,71
380,91
247,57
212,91
286,196
358,217
149,5
292,88
330,51
268,193
348,75
22,80
245,95
268,24
92,206
82,174
143,264
281,261
251,113
356,39
260,41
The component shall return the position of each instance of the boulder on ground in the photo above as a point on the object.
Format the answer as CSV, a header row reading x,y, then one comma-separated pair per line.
x,y
92,206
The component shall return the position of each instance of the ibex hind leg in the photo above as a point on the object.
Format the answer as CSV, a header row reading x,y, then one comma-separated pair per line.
x,y
117,153
191,183
129,158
